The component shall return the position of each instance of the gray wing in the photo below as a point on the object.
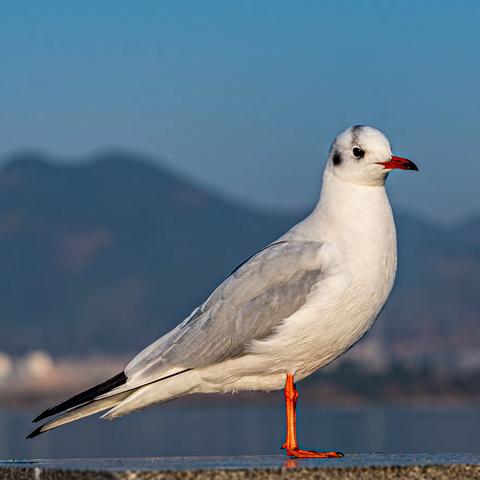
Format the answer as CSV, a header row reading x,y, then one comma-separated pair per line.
x,y
248,305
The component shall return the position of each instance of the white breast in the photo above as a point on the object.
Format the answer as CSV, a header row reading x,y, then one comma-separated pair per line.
x,y
359,232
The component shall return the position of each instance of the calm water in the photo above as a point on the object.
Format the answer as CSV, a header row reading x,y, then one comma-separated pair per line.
x,y
171,430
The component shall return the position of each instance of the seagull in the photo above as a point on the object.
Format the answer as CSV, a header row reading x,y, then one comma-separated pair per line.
x,y
287,311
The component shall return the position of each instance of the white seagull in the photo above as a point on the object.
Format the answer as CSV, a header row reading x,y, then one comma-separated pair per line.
x,y
290,309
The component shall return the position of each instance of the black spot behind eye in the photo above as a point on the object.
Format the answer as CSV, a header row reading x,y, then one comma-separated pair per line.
x,y
358,152
336,159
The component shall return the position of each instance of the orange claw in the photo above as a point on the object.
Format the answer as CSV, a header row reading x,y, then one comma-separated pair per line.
x,y
291,444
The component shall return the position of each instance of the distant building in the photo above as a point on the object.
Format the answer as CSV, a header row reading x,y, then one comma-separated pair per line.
x,y
36,364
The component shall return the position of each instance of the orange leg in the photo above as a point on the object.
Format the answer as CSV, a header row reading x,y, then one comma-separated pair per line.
x,y
291,444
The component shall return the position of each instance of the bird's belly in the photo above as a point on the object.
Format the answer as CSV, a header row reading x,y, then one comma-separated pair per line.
x,y
327,326
336,333
335,329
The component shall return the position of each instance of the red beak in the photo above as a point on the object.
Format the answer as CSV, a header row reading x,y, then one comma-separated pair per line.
x,y
399,162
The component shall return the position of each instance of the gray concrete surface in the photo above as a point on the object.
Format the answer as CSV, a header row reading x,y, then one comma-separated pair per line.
x,y
352,466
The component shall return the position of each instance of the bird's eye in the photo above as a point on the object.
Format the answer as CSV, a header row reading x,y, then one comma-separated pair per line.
x,y
358,152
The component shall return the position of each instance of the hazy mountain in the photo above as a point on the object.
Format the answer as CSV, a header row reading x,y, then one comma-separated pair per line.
x,y
107,255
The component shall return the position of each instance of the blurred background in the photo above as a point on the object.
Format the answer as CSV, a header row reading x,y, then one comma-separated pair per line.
x,y
148,148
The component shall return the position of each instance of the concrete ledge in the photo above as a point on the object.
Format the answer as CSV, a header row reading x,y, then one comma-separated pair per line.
x,y
352,466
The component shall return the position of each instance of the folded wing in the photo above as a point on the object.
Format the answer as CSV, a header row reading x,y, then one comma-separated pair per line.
x,y
248,305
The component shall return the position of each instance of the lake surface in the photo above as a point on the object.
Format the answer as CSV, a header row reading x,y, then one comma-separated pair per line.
x,y
172,430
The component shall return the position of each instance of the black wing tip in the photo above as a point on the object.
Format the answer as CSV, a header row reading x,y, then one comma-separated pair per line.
x,y
43,415
35,433
83,397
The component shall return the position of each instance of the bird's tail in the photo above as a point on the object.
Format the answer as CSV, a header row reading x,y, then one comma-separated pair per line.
x,y
84,403
76,413
117,397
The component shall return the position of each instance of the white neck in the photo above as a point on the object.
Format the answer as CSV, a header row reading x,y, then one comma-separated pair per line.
x,y
348,213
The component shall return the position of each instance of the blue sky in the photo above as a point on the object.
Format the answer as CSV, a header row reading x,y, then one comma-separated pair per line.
x,y
247,95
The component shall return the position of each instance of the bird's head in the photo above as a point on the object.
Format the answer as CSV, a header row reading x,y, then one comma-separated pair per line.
x,y
362,155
